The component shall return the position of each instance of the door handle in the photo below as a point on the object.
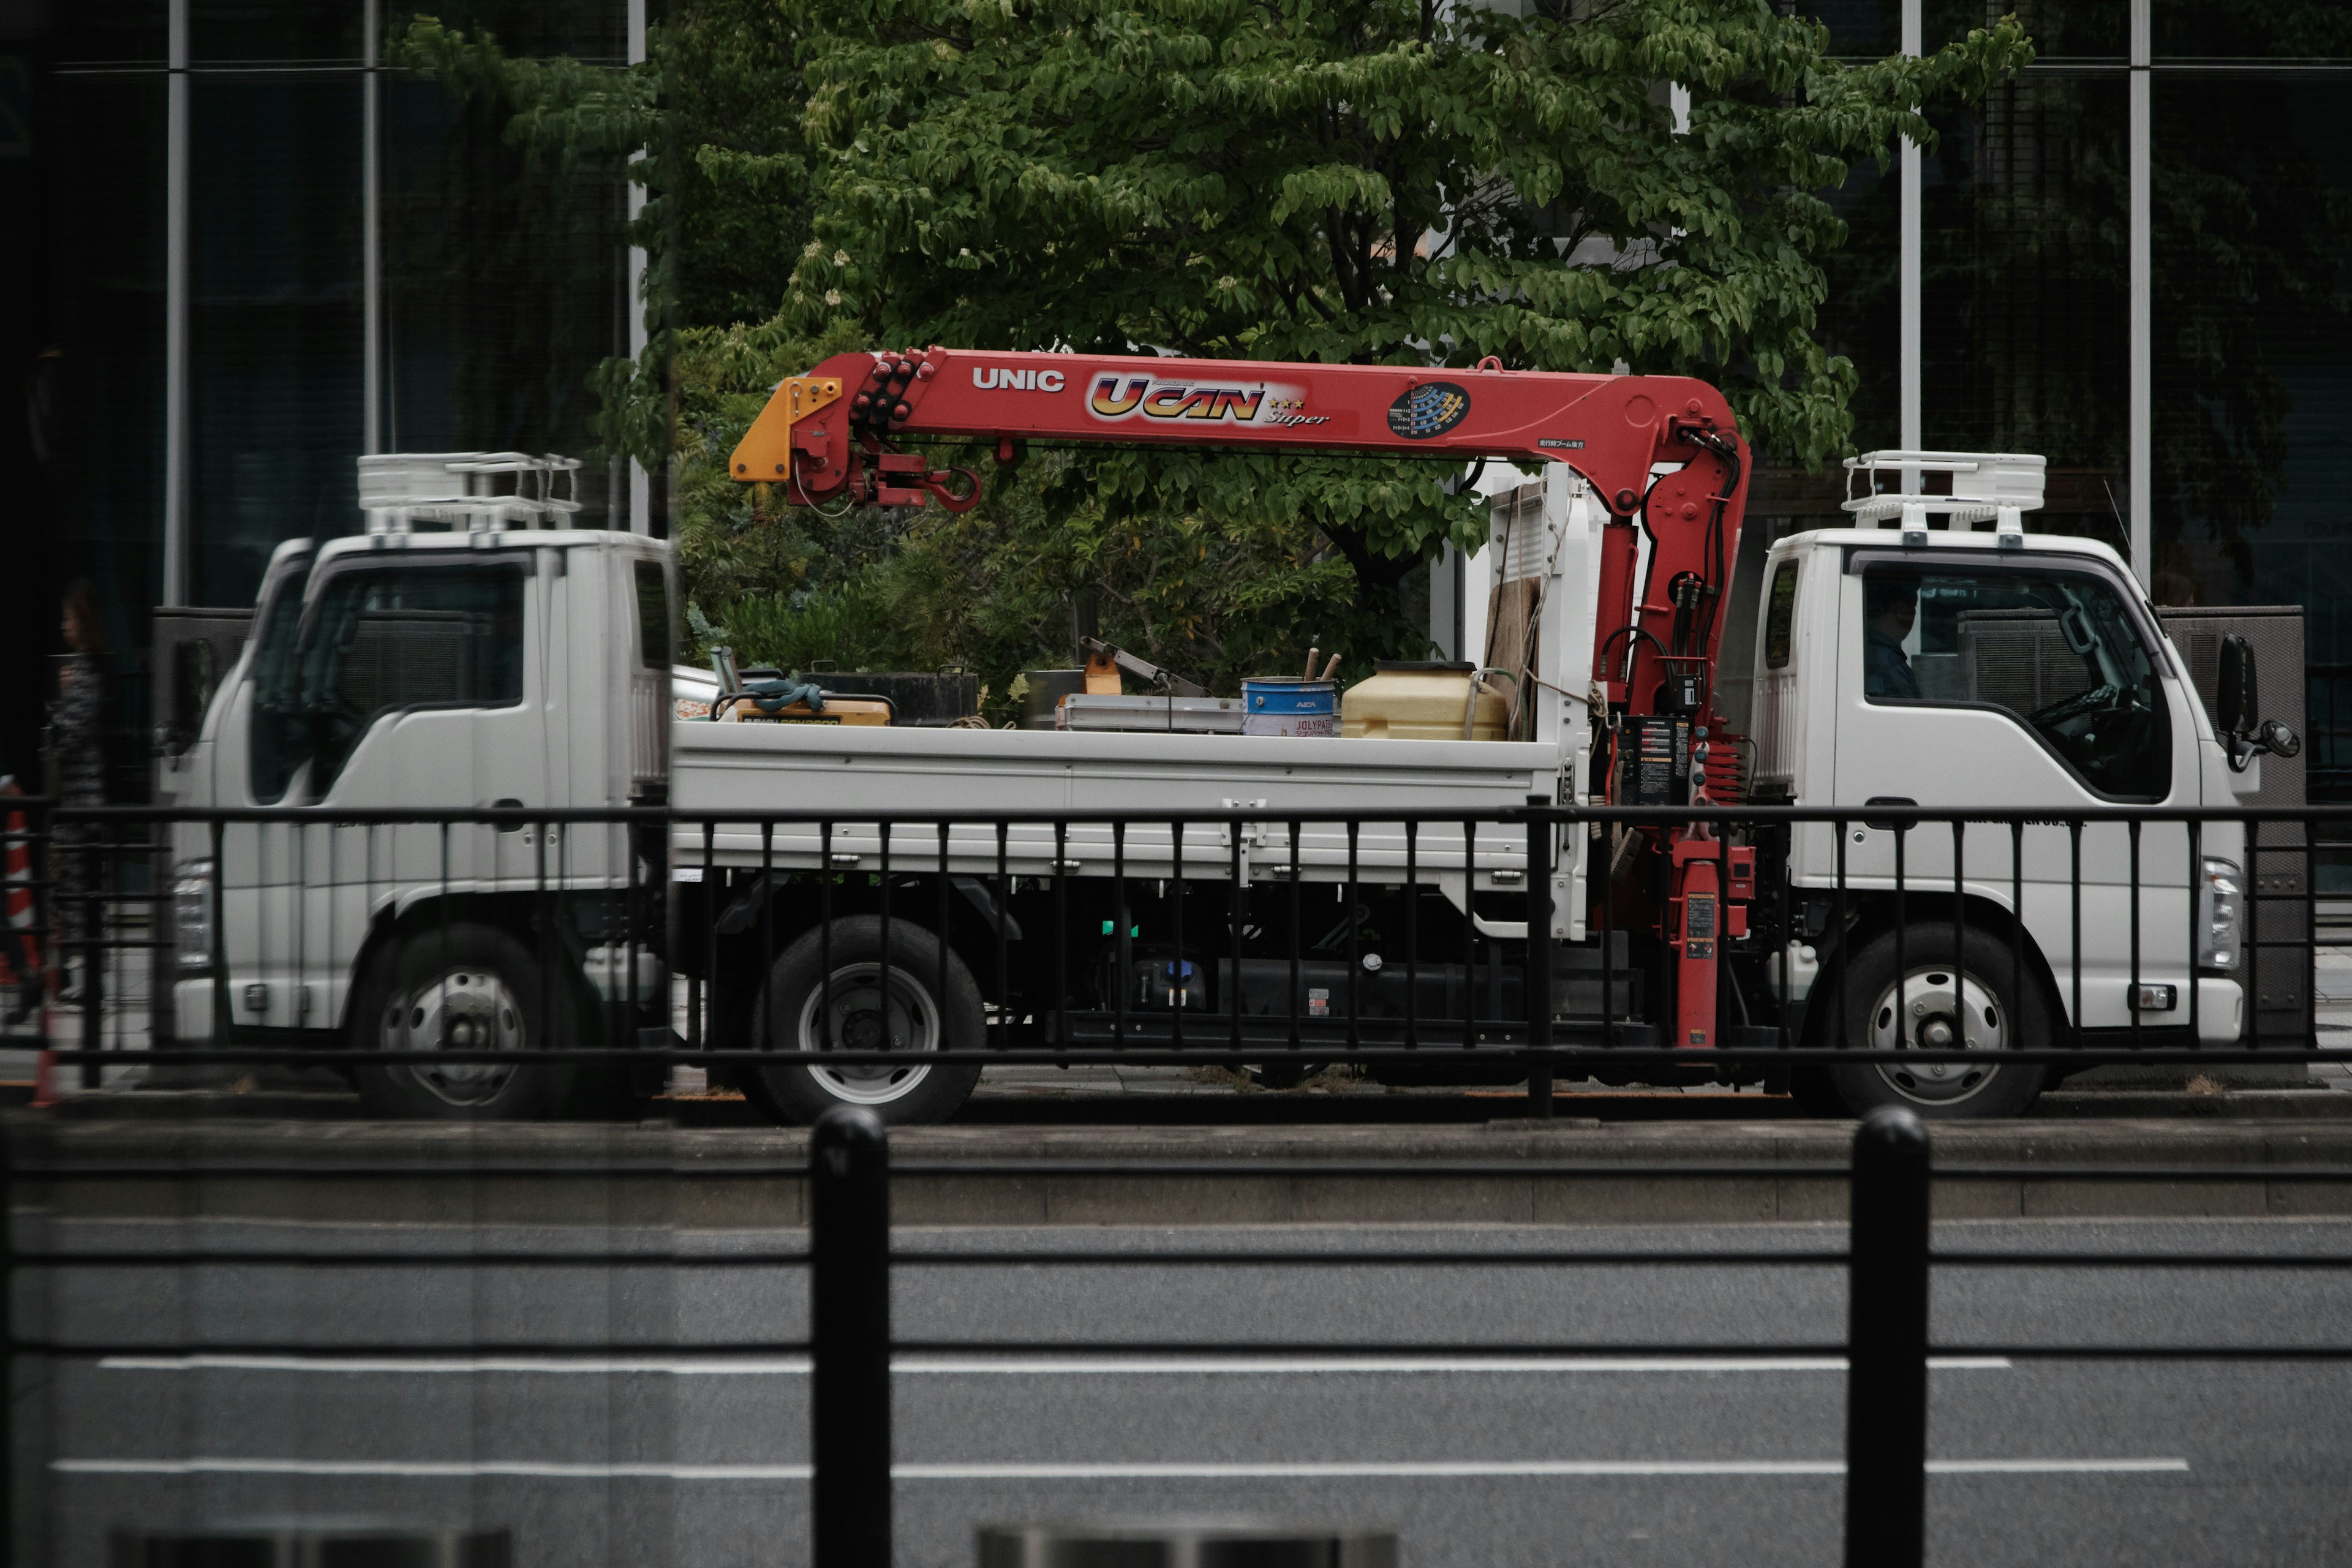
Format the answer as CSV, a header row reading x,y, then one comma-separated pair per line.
x,y
508,804
1885,825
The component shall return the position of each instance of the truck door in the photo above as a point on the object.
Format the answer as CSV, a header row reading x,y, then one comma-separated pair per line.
x,y
404,689
2022,684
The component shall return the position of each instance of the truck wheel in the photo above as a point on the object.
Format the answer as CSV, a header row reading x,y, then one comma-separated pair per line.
x,y
463,987
1976,1005
795,1011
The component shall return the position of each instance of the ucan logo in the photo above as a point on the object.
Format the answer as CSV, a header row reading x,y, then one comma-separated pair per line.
x,y
1430,409
1120,396
986,376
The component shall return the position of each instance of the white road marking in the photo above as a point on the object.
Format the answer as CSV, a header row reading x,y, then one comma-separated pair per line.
x,y
1024,1366
1377,1470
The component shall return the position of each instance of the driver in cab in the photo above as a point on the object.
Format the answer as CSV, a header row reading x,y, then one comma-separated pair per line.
x,y
1889,606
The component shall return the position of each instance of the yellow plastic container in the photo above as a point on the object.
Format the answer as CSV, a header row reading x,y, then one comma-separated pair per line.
x,y
1423,703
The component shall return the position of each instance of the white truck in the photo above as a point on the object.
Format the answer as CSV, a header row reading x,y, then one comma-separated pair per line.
x,y
501,657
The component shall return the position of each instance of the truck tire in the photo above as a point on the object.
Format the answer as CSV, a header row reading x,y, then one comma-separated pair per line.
x,y
919,1020
1981,1004
463,987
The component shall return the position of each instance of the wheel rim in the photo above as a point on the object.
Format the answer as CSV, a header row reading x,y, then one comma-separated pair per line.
x,y
861,1022
462,1009
1947,1010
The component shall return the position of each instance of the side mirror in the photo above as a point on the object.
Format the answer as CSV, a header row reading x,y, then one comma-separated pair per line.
x,y
2278,740
2238,707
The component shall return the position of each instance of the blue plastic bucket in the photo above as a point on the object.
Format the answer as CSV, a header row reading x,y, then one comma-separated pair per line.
x,y
1275,706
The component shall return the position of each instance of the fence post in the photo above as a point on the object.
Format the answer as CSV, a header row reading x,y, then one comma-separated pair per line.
x,y
849,1339
1536,978
1886,1345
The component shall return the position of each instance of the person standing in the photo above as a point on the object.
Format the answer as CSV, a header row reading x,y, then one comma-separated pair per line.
x,y
78,728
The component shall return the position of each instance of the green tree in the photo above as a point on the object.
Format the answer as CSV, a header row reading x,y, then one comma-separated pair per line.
x,y
1368,180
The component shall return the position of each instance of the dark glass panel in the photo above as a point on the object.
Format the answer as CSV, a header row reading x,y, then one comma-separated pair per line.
x,y
2023,300
2253,29
275,30
119,32
94,508
275,325
2254,368
503,286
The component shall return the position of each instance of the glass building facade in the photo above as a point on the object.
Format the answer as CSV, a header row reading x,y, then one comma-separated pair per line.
x,y
361,261
324,256
2026,338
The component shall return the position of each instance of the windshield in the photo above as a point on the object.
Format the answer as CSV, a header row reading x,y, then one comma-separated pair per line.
x,y
2056,650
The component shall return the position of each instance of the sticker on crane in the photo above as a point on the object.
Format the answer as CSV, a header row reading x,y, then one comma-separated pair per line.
x,y
1430,409
1124,396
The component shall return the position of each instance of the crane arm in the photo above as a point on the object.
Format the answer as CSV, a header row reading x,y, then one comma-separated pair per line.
x,y
829,436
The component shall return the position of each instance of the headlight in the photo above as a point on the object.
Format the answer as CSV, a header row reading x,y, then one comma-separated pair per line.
x,y
191,912
2220,903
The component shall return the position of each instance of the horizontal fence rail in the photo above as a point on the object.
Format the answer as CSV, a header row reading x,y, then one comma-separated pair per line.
x,y
847,1263
1521,943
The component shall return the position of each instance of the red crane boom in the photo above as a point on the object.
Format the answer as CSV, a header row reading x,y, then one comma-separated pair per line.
x,y
829,436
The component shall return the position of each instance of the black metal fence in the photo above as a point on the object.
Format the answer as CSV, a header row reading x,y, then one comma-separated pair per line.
x,y
849,1263
1406,942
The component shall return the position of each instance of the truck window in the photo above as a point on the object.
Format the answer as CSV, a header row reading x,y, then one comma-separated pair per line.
x,y
384,640
277,739
2056,650
653,616
1780,615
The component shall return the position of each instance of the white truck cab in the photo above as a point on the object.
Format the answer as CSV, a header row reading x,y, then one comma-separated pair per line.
x,y
1967,667
466,650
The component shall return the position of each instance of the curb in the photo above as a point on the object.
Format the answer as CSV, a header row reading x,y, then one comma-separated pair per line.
x,y
1514,1172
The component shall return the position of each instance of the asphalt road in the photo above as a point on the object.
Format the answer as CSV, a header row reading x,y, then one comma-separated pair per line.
x,y
651,1457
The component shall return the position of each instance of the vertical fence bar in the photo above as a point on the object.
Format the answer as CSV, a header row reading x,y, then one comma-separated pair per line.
x,y
1469,934
7,1350
1960,923
1061,933
1887,1344
823,1041
2196,881
1233,917
542,926
703,994
2132,994
1844,1013
1181,992
849,1339
2016,915
1297,875
1605,899
217,939
441,937
882,888
1121,952
1412,934
633,904
1354,1031
1536,979
1785,935
1902,946
2310,937
91,919
2074,928
1004,914
943,992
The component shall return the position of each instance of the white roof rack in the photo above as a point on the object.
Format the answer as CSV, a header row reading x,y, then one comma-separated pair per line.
x,y
1998,488
464,490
